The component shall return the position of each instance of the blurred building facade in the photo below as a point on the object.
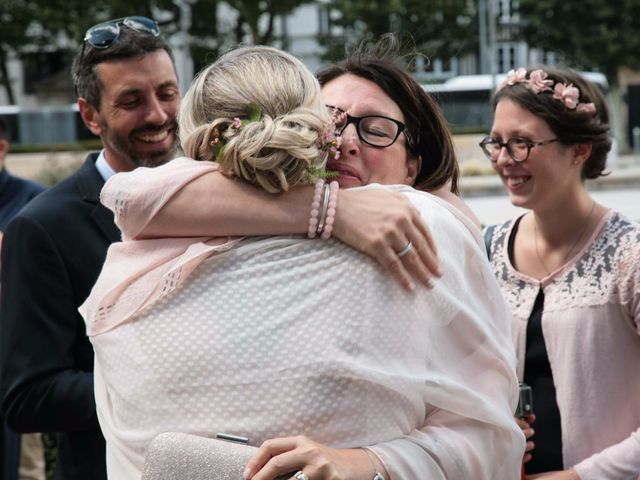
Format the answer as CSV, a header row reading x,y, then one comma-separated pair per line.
x,y
42,80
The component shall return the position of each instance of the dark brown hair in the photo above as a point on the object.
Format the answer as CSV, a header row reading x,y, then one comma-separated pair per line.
x,y
427,127
569,125
129,44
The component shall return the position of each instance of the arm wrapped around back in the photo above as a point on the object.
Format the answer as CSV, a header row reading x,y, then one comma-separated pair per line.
x,y
288,336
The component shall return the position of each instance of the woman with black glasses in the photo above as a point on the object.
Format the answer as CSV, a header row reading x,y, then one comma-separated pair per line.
x,y
401,137
569,270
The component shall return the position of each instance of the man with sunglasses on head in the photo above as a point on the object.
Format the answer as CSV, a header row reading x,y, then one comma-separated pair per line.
x,y
53,250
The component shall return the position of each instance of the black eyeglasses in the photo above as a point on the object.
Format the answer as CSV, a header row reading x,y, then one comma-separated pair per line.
x,y
517,148
375,130
103,35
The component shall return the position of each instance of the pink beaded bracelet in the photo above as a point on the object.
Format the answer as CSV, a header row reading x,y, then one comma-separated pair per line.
x,y
315,209
331,211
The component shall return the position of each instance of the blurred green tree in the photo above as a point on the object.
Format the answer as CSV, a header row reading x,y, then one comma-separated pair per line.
x,y
443,29
14,19
250,13
590,35
251,21
33,26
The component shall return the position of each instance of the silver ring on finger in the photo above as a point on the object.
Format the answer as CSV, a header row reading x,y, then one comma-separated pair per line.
x,y
300,476
405,250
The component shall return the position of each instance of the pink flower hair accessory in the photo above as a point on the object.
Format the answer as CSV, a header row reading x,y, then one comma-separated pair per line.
x,y
539,83
514,77
328,141
567,94
586,108
218,141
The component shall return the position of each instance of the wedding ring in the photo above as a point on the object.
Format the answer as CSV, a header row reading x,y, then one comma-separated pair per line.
x,y
301,476
405,250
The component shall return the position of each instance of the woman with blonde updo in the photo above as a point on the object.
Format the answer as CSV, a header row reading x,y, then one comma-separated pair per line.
x,y
277,149
304,346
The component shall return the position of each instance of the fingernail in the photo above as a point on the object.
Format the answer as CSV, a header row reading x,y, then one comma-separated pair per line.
x,y
246,475
411,286
439,271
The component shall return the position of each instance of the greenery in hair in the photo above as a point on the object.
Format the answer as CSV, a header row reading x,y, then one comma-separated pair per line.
x,y
314,173
254,114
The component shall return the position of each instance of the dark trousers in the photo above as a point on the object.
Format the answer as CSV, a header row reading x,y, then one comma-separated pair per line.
x,y
9,453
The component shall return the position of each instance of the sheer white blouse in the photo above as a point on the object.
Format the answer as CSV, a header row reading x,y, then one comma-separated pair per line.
x,y
283,336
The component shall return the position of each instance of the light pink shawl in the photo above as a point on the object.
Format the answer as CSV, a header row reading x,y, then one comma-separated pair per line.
x,y
138,273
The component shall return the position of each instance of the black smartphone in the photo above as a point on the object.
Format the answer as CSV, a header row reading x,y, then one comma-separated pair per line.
x,y
525,401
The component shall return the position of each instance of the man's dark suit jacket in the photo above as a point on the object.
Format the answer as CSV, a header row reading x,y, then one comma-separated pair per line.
x,y
15,193
51,256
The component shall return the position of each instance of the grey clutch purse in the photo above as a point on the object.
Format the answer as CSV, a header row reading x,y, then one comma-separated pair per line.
x,y
181,456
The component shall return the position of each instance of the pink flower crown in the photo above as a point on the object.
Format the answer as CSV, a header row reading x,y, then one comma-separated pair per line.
x,y
538,83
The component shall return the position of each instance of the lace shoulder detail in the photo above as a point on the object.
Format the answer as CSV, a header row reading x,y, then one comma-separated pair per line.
x,y
519,293
607,272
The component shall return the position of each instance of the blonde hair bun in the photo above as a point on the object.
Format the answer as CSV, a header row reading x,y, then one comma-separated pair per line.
x,y
275,151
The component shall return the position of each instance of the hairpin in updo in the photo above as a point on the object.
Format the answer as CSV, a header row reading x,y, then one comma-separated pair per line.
x,y
539,83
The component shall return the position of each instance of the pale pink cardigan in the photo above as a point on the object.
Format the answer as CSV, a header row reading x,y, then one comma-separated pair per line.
x,y
591,326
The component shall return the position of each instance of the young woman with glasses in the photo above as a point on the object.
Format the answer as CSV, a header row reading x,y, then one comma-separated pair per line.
x,y
569,270
303,346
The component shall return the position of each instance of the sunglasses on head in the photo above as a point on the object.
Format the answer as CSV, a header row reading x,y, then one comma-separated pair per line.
x,y
103,35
